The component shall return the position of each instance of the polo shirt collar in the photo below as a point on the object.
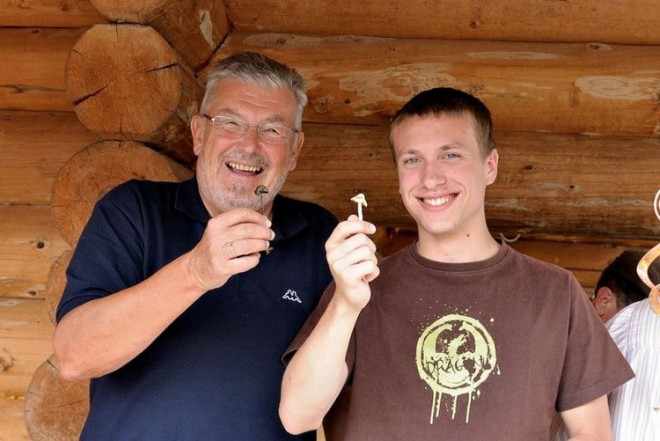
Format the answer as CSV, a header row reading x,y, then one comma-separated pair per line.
x,y
288,219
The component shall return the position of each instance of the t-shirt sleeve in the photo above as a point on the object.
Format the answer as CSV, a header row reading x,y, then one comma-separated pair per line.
x,y
593,364
109,254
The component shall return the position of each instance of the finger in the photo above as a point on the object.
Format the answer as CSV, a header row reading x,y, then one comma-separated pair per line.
x,y
239,216
346,247
348,228
219,232
246,247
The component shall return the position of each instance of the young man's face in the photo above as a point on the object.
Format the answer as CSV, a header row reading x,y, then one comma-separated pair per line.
x,y
443,174
230,168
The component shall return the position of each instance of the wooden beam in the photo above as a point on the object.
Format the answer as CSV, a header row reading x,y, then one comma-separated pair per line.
x,y
127,83
34,147
30,244
55,409
49,13
90,173
32,68
608,21
547,184
194,28
25,342
545,87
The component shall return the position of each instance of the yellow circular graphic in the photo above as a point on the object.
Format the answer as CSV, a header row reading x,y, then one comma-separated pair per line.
x,y
455,355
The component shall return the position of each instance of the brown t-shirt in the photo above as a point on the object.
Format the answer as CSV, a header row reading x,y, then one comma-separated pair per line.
x,y
466,352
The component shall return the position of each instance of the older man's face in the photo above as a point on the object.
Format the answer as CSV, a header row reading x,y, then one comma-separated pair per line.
x,y
230,168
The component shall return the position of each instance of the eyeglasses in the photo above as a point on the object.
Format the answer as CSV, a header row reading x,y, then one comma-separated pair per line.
x,y
235,128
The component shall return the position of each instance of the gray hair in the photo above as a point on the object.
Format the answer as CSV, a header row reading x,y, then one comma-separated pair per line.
x,y
259,70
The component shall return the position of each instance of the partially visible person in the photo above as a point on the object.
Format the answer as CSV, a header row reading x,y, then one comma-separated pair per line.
x,y
182,297
618,285
621,300
635,406
456,337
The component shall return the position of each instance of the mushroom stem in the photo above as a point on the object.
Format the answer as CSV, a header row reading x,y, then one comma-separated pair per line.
x,y
260,191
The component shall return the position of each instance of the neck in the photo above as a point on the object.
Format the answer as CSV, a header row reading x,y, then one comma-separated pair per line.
x,y
469,248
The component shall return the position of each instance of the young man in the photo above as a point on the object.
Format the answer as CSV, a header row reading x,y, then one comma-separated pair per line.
x,y
456,337
182,297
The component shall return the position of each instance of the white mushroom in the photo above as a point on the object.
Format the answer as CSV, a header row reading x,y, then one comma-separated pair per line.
x,y
360,200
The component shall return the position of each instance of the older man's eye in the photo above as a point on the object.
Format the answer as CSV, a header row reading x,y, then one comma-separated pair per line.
x,y
232,126
274,130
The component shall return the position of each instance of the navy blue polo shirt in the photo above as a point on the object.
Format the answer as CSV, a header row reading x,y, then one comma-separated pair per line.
x,y
215,373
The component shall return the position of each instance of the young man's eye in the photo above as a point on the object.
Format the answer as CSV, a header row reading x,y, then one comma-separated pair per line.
x,y
411,160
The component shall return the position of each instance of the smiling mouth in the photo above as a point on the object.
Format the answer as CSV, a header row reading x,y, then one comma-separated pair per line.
x,y
436,202
243,168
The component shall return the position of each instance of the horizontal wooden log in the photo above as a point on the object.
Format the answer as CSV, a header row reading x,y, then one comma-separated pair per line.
x,y
49,13
32,68
546,87
55,409
25,342
34,147
547,184
12,419
610,21
127,83
90,173
30,244
194,28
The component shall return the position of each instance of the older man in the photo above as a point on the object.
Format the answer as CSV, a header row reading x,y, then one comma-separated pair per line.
x,y
181,297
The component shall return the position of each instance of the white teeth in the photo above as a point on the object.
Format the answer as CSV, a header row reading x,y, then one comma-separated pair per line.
x,y
437,201
245,168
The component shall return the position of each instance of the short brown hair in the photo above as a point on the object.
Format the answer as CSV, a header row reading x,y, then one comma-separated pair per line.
x,y
446,100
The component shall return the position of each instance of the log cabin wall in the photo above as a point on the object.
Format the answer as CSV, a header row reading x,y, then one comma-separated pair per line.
x,y
574,88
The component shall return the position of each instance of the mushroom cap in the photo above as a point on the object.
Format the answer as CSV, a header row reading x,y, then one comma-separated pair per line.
x,y
360,199
261,189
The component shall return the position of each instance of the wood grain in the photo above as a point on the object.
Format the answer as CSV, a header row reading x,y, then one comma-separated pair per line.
x,y
568,88
32,68
90,173
194,28
610,21
127,83
34,147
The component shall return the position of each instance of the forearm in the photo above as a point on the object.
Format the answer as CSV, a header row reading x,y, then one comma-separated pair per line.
x,y
588,437
589,422
316,374
102,335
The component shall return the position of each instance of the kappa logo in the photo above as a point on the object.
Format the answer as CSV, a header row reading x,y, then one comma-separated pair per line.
x,y
292,296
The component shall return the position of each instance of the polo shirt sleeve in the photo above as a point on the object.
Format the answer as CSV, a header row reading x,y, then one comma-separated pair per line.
x,y
109,253
593,365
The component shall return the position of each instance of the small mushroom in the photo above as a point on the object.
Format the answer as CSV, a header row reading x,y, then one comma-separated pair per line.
x,y
360,200
260,191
